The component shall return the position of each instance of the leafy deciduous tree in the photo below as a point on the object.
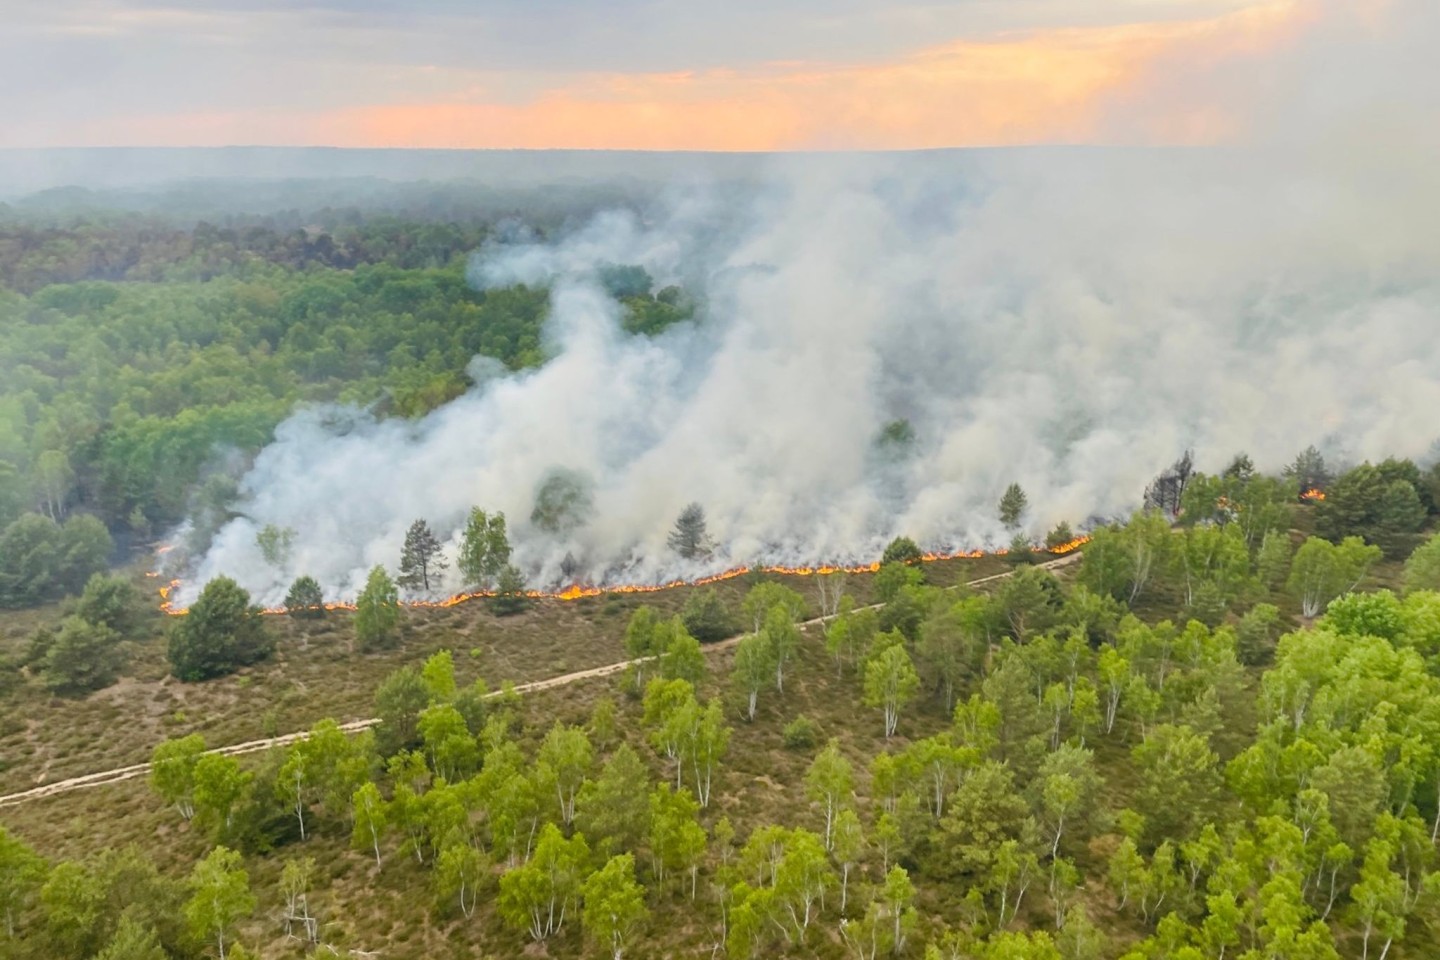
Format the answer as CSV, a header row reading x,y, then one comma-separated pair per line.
x,y
275,544
21,874
830,782
537,895
614,904
1322,570
613,809
890,683
222,897
459,871
377,610
484,549
369,813
564,761
172,771
754,666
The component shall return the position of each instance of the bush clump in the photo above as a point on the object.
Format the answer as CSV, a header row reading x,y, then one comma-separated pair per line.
x,y
707,618
800,733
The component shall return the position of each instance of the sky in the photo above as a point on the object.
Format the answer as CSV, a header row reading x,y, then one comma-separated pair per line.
x,y
647,74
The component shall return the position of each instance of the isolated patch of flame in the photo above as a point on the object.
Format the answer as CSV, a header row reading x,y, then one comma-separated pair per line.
x,y
1313,495
580,591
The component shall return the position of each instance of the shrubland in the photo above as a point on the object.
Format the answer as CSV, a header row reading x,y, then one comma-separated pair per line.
x,y
1206,738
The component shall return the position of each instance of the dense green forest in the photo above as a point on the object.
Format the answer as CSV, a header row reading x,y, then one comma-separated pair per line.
x,y
1211,737
140,360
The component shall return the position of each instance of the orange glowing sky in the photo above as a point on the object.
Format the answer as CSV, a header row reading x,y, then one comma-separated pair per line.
x,y
262,76
1050,86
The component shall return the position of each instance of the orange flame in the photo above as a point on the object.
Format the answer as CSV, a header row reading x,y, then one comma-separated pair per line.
x,y
579,591
1313,495
1069,546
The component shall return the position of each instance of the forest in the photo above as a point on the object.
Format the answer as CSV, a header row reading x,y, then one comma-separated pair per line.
x,y
1207,734
144,363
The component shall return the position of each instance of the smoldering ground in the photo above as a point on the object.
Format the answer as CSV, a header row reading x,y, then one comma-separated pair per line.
x,y
1068,319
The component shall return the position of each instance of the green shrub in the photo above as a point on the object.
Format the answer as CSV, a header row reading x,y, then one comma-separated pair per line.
x,y
800,733
707,618
901,550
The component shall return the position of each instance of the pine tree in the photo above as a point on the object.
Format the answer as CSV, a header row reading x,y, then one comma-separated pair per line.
x,y
1059,536
707,618
510,595
305,601
420,559
689,538
111,601
1309,470
1012,506
1241,468
138,522
221,633
902,550
83,656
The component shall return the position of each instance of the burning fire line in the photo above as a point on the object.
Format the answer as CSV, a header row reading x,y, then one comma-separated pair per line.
x,y
579,591
1312,495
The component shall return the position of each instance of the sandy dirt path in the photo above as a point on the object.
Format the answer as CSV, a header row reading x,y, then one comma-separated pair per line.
x,y
354,726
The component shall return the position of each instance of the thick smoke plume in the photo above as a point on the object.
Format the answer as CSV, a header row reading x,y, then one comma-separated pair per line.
x,y
1068,319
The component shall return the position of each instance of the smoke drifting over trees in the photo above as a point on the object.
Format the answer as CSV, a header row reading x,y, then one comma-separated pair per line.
x,y
978,306
1068,320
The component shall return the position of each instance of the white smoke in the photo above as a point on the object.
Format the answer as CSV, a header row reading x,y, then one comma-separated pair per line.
x,y
1071,320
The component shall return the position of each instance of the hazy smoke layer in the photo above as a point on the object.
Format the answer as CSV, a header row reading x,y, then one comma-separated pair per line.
x,y
1072,325
1071,320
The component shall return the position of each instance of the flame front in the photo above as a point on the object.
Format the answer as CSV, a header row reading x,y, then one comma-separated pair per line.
x,y
1313,495
578,591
